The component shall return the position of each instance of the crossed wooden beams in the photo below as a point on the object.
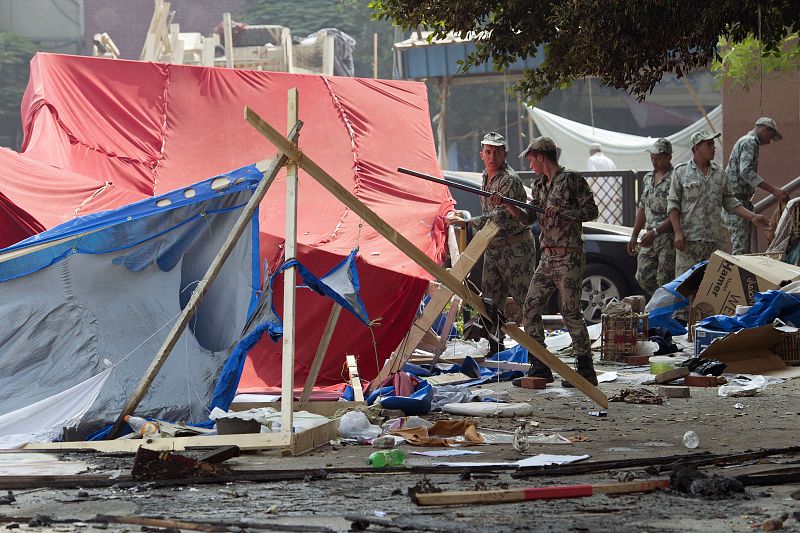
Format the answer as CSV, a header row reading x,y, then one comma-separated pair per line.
x,y
290,149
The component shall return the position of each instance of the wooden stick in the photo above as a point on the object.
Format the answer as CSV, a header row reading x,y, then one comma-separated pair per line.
x,y
487,497
696,99
228,31
202,287
419,257
322,349
355,380
289,281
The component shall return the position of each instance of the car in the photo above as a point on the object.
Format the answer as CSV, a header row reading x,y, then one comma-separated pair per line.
x,y
609,273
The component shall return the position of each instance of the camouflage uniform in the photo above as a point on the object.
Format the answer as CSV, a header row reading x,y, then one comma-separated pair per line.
x,y
510,258
561,271
656,264
742,172
699,200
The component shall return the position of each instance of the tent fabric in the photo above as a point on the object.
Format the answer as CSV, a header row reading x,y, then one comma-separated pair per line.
x,y
101,133
627,151
104,289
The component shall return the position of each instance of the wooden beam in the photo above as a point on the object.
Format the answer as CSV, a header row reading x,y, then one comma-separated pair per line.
x,y
289,279
202,287
322,349
327,408
228,31
418,256
355,380
455,307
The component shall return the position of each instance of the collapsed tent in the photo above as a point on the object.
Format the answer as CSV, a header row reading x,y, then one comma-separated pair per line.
x,y
100,293
111,132
627,151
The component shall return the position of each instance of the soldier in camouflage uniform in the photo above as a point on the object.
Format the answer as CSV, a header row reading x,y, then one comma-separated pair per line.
x,y
567,200
742,171
510,258
656,261
699,191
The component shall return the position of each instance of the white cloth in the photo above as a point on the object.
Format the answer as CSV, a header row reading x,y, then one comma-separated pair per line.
x,y
600,162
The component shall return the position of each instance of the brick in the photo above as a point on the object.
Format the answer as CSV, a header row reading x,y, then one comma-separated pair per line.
x,y
674,392
700,381
637,360
533,383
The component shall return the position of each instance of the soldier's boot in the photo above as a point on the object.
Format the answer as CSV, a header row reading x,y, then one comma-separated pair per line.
x,y
537,370
584,367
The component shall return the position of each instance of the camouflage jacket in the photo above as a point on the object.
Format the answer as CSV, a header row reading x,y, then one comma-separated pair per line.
x,y
654,198
569,191
742,167
507,183
700,200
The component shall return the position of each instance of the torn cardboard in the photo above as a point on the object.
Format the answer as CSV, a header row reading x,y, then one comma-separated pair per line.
x,y
731,280
751,351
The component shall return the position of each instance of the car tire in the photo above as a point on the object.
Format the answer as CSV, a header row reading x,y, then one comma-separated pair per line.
x,y
601,284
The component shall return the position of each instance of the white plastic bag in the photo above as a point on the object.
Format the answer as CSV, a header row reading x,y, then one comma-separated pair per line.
x,y
355,424
743,385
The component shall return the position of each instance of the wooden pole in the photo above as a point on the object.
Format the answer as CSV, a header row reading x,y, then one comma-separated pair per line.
x,y
419,257
322,349
228,31
486,497
375,55
289,281
696,100
200,291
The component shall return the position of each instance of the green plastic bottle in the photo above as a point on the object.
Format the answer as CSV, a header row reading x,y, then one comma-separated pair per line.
x,y
386,458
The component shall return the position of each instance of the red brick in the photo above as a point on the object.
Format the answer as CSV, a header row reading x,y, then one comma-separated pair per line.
x,y
533,383
637,360
700,381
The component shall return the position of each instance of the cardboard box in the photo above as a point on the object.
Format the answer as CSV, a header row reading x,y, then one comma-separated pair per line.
x,y
703,337
751,351
731,280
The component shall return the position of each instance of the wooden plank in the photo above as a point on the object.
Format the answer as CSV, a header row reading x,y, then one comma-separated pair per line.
x,y
487,497
324,408
207,57
418,256
422,325
355,380
322,349
249,441
506,365
455,307
202,287
228,31
289,276
314,438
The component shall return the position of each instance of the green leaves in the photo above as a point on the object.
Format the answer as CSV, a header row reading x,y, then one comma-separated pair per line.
x,y
15,55
746,61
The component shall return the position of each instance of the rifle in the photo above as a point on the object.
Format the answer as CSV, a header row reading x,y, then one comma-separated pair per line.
x,y
473,190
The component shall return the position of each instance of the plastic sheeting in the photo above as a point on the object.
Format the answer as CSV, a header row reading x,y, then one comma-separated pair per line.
x,y
627,151
106,288
767,307
100,134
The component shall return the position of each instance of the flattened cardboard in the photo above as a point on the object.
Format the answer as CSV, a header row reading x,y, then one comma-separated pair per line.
x,y
732,280
749,351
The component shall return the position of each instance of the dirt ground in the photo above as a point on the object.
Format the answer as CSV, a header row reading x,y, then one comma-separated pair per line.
x,y
629,431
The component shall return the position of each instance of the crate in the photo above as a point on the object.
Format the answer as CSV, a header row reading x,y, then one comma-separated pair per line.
x,y
619,335
788,348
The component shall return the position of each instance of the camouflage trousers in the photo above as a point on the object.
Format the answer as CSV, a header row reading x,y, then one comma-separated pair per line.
x,y
655,266
562,273
693,252
741,231
507,271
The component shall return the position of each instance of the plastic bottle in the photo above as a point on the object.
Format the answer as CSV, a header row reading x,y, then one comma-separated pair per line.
x,y
386,458
691,440
145,428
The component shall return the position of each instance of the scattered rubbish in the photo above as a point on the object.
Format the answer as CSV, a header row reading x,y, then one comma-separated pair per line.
x,y
738,406
689,480
662,363
386,441
601,414
355,424
743,385
7,499
405,422
158,428
442,433
486,409
449,452
636,396
154,465
386,458
773,524
607,377
520,440
541,459
691,440
704,367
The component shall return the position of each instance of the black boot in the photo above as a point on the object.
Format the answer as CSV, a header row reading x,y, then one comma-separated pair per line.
x,y
584,367
495,346
540,370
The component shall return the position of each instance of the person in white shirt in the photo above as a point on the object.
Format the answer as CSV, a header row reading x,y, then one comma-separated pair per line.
x,y
607,190
598,160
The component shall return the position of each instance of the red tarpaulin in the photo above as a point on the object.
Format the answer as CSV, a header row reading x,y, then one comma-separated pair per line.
x,y
103,133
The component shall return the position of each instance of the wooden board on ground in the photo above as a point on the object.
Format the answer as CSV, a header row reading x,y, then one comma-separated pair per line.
x,y
297,443
419,359
506,365
324,408
355,380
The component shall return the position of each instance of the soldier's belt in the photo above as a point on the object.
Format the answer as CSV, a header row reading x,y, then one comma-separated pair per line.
x,y
560,250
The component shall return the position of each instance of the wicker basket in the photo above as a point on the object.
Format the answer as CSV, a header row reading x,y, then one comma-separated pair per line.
x,y
788,348
619,335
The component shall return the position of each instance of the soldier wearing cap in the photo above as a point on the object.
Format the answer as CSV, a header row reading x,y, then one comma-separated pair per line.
x,y
699,191
510,258
656,256
742,170
567,201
